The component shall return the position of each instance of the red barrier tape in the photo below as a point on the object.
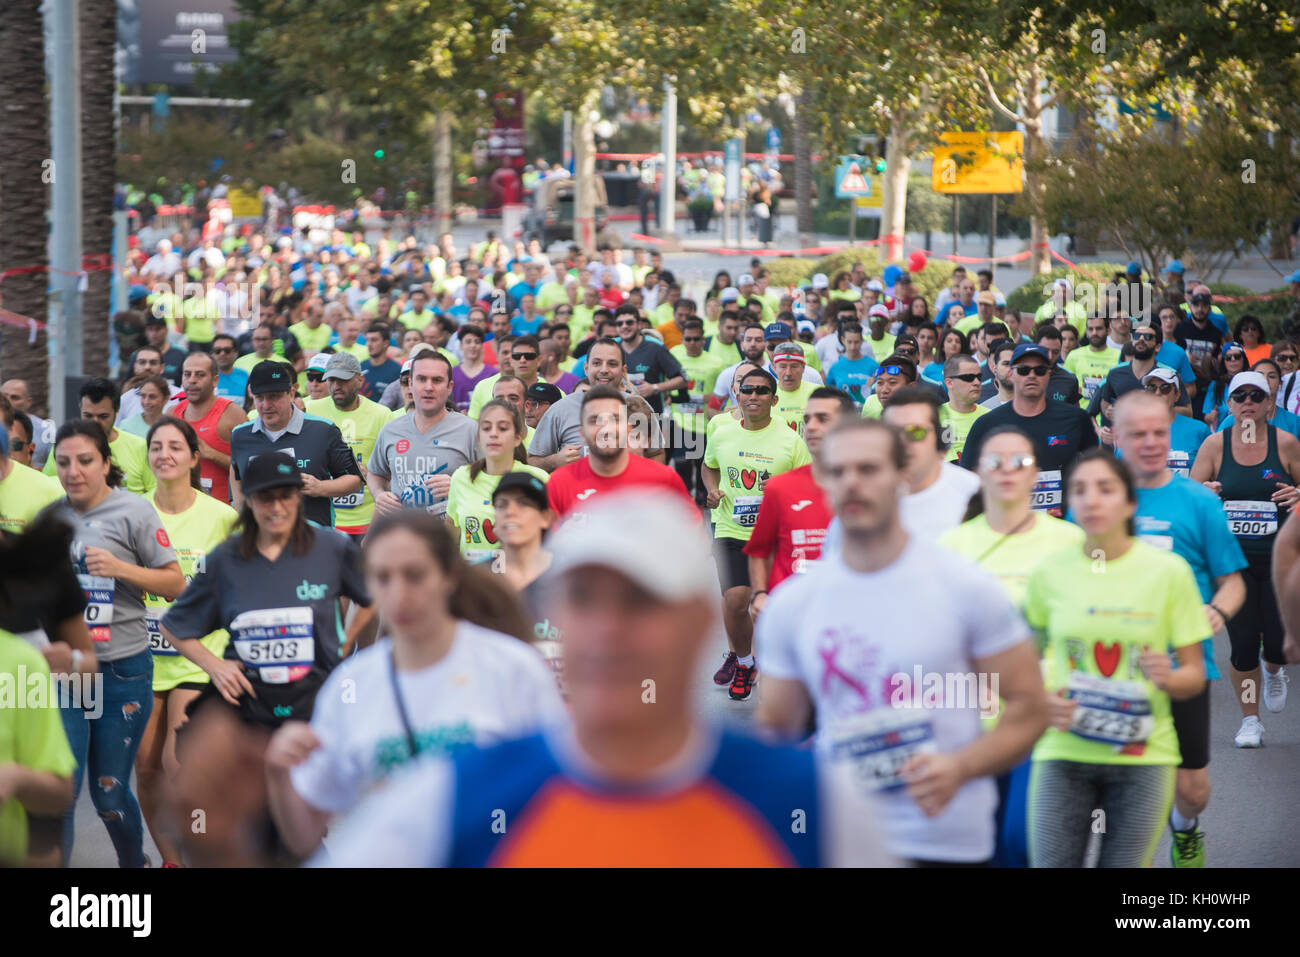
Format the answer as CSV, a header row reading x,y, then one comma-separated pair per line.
x,y
98,262
22,322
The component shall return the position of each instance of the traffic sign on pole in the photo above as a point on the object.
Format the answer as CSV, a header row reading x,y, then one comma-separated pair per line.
x,y
849,181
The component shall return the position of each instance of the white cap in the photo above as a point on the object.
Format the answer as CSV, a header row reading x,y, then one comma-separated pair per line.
x,y
744,279
820,281
1161,374
1256,379
879,309
630,532
730,294
1064,283
876,285
318,362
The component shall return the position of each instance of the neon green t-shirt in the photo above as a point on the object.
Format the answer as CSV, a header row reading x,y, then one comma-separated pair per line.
x,y
130,454
549,296
701,376
1090,368
959,424
872,407
810,354
745,460
246,362
357,349
360,428
580,322
469,507
194,533
23,493
200,321
1014,556
881,348
31,735
1098,615
311,340
411,321
969,324
720,421
848,295
790,405
1073,313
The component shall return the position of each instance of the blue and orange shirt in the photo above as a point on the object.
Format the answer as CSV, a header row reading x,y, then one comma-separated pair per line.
x,y
526,803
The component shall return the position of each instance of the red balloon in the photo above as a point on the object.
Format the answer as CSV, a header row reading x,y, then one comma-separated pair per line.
x,y
916,262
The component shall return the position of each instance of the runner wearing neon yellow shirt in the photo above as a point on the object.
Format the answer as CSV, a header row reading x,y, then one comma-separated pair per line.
x,y
33,748
1112,614
1091,363
195,524
128,452
359,420
312,338
200,317
502,437
701,371
738,461
792,389
23,493
961,377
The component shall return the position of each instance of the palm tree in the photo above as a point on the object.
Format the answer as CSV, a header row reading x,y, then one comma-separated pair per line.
x,y
24,189
98,150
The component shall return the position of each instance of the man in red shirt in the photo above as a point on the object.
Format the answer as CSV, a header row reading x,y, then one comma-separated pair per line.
x,y
608,464
794,513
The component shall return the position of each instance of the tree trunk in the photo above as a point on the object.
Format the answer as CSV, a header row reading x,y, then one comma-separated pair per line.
x,y
24,193
584,172
1036,149
444,215
803,170
99,147
893,215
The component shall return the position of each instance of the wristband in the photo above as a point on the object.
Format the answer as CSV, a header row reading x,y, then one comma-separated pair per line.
x,y
761,591
1219,610
77,656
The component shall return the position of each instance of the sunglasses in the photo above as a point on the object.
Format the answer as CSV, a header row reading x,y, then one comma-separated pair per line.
x,y
315,377
916,433
1031,370
1248,395
1239,356
692,338
1014,463
1164,388
755,390
890,370
1285,357
966,376
523,356
222,350
1149,336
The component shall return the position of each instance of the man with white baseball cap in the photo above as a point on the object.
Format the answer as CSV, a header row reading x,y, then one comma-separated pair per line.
x,y
730,294
820,282
606,790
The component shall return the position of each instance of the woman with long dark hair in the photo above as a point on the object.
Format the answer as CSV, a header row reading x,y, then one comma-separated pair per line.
x,y
1113,614
196,523
1214,407
451,674
121,552
154,394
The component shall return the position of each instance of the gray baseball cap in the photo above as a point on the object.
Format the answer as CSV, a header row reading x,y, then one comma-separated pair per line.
x,y
342,365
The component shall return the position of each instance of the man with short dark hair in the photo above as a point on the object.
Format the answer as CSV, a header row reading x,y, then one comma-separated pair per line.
x,y
99,404
232,383
651,369
379,370
213,419
1062,386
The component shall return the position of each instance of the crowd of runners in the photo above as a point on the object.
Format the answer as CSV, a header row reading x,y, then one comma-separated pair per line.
x,y
389,555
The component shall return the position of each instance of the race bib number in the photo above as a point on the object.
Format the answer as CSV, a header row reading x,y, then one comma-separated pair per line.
x,y
1047,491
744,510
1180,463
1113,712
278,642
634,379
206,484
477,556
99,605
349,501
157,643
694,406
1090,384
879,743
1251,519
802,566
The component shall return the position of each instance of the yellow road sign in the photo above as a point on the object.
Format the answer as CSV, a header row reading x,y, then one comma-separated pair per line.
x,y
979,163
876,198
244,203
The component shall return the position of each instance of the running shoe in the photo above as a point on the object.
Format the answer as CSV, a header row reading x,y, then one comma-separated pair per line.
x,y
1251,733
1275,690
724,674
743,682
1188,847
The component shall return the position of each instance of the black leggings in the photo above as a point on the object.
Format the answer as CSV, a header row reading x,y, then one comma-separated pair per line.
x,y
1258,619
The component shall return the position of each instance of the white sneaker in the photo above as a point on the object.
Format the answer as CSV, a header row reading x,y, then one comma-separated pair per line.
x,y
1251,734
1275,689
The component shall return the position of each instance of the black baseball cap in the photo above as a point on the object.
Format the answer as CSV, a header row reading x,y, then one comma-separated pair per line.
x,y
271,470
152,320
544,392
269,376
533,488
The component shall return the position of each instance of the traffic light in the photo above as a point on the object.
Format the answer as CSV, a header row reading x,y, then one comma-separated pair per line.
x,y
880,164
379,154
882,146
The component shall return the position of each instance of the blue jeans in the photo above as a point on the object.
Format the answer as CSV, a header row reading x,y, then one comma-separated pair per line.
x,y
108,745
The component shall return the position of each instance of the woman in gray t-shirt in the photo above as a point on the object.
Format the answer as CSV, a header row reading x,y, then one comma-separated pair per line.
x,y
119,551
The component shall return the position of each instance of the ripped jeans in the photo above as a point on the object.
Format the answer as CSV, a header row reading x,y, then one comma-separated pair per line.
x,y
107,745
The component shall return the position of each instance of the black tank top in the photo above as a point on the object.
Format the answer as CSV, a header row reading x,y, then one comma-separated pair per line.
x,y
1247,496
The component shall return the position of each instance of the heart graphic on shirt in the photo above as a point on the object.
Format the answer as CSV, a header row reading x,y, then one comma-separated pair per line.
x,y
1107,658
748,477
489,532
